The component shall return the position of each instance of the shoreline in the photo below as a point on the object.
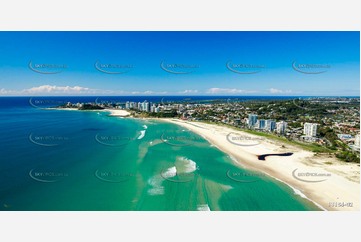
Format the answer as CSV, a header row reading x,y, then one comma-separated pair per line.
x,y
339,188
342,186
113,112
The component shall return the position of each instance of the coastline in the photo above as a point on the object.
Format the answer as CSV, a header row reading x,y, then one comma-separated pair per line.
x,y
113,112
339,191
342,185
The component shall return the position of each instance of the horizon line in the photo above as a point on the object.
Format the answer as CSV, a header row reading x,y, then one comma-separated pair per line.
x,y
182,96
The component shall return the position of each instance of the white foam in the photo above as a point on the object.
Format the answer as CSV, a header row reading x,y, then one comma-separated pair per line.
x,y
145,126
170,172
226,187
188,165
213,145
142,134
156,186
203,207
298,192
155,182
233,159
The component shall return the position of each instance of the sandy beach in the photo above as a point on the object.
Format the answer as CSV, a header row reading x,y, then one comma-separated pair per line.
x,y
117,112
113,112
331,184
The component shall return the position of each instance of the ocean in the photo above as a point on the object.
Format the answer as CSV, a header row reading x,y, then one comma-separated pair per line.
x,y
58,160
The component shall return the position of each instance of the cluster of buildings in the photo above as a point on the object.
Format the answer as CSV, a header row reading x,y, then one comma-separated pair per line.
x,y
307,134
266,124
310,132
353,142
143,106
309,129
343,121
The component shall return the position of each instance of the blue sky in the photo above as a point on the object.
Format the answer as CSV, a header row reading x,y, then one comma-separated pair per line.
x,y
200,57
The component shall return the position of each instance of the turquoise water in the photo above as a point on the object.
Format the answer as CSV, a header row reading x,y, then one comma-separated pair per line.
x,y
86,161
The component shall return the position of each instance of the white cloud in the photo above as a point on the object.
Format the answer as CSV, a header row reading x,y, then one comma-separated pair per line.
x,y
53,90
72,90
278,91
189,91
58,90
146,92
5,92
216,90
